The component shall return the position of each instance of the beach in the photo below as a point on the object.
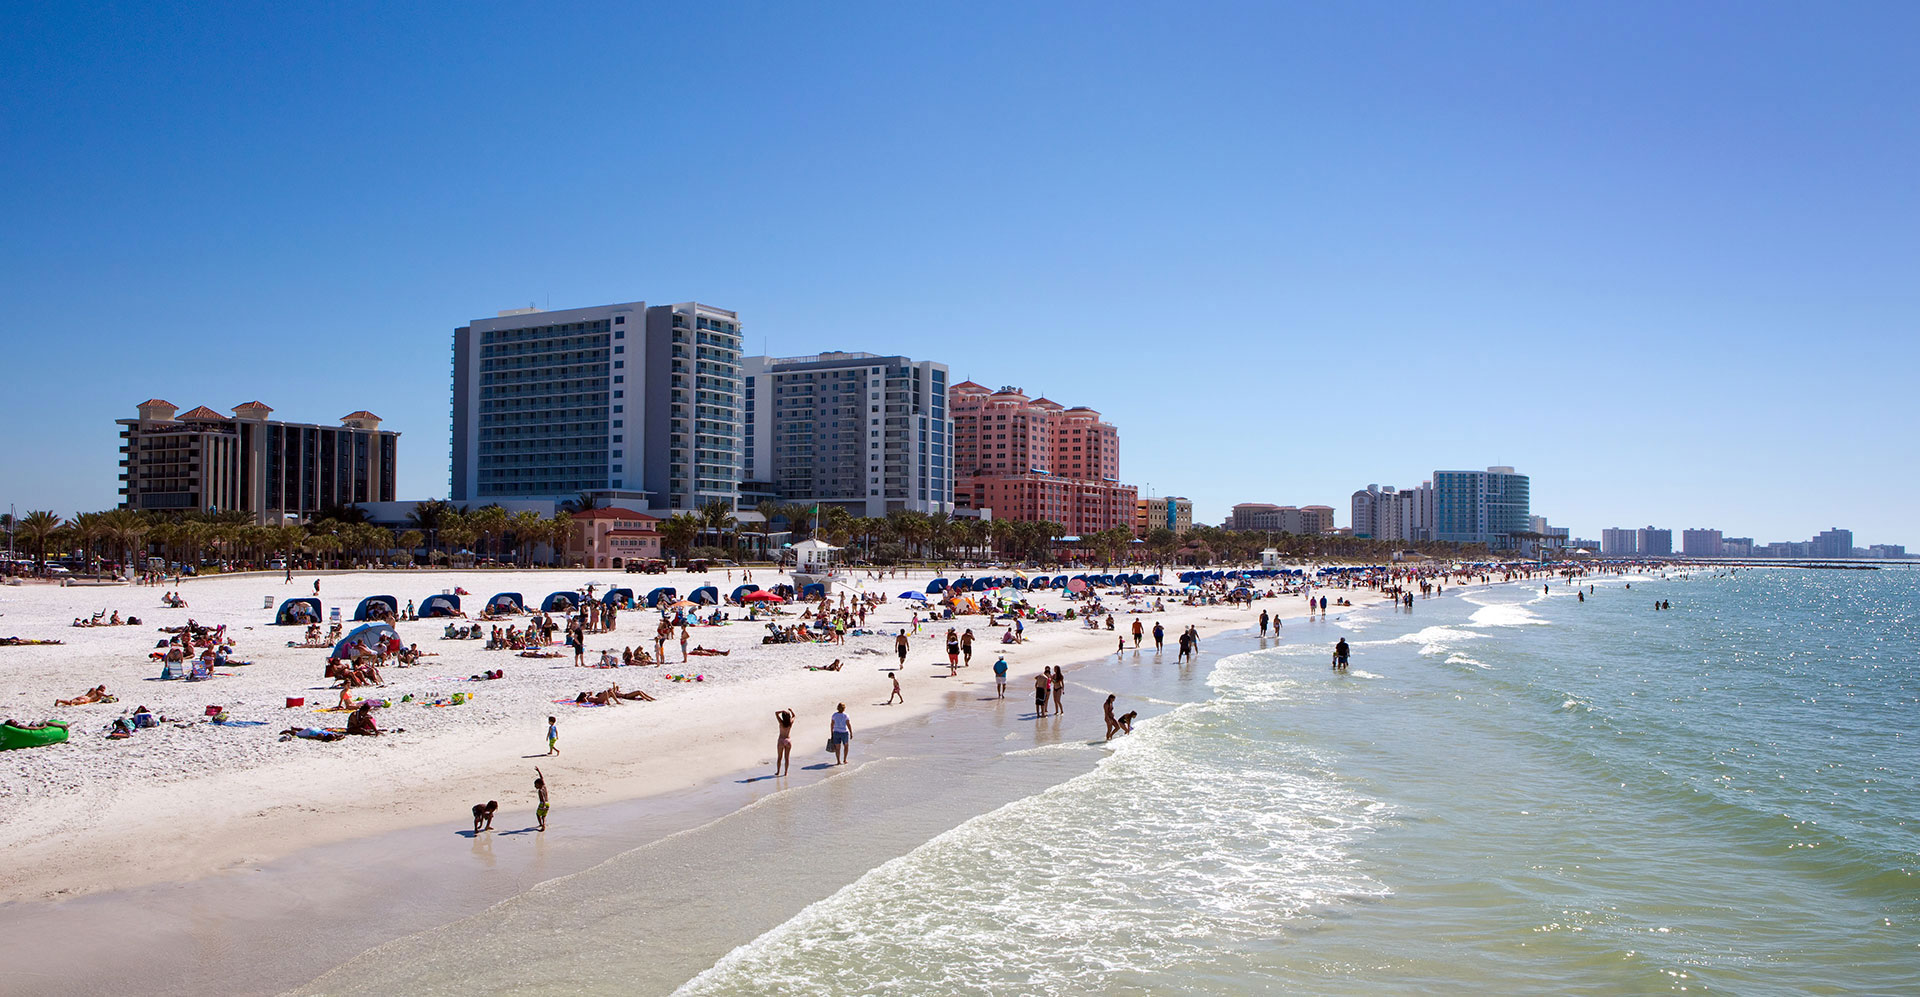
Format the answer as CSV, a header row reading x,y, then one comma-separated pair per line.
x,y
84,816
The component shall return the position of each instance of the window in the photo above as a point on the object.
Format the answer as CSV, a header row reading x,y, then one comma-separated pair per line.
x,y
618,364
619,320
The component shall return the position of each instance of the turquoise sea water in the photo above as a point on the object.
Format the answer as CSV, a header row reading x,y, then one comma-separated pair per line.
x,y
1510,792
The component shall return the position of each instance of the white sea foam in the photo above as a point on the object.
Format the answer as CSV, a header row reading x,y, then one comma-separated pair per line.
x,y
1508,615
1187,837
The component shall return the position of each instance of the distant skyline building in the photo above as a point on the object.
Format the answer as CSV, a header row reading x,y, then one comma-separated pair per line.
x,y
1165,512
1617,542
1033,459
636,404
1655,542
1269,518
1835,542
1383,513
868,433
1701,543
202,461
1481,507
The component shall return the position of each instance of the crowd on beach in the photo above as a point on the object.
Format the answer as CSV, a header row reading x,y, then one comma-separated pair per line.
x,y
378,677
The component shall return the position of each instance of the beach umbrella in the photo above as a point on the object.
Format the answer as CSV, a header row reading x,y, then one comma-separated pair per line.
x,y
761,597
915,596
1077,584
684,604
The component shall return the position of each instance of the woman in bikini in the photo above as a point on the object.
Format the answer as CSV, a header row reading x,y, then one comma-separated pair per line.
x,y
783,748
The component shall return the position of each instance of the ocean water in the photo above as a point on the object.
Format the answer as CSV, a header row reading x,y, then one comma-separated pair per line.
x,y
1510,791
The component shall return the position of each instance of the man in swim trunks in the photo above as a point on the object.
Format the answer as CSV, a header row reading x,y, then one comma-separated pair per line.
x,y
1340,653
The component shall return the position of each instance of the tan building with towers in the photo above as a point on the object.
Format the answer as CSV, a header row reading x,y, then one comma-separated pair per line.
x,y
172,461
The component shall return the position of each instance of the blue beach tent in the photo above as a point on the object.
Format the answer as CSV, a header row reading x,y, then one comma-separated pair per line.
x,y
362,611
506,602
559,602
284,616
440,605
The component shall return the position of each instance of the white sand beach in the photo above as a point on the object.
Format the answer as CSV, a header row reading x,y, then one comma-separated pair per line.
x,y
190,798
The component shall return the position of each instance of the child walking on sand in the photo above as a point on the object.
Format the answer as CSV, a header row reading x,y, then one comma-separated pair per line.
x,y
540,786
553,735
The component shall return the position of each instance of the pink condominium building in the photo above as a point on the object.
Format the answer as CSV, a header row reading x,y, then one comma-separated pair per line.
x,y
1035,459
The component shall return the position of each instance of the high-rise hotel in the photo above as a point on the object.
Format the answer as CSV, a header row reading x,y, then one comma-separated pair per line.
x,y
202,461
864,432
1035,459
635,404
1481,507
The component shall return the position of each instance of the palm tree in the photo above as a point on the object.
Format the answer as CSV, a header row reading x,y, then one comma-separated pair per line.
x,y
679,531
559,533
428,517
458,532
716,517
583,502
490,523
838,525
1003,532
911,528
126,529
939,532
36,528
528,529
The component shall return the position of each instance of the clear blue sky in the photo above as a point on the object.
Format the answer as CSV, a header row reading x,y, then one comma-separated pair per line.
x,y
1662,257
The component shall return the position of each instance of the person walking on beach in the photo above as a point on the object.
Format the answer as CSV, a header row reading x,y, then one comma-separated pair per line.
x,y
1159,637
896,697
1059,691
1000,677
966,649
684,637
783,746
553,735
901,646
1121,650
953,653
1263,623
1139,632
1040,694
1340,654
839,734
1113,725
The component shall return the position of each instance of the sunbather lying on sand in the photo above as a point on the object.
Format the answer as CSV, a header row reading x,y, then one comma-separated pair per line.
x,y
825,668
709,652
97,694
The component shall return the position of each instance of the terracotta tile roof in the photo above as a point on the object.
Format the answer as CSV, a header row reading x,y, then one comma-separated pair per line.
x,y
970,386
253,404
592,514
155,401
362,414
202,414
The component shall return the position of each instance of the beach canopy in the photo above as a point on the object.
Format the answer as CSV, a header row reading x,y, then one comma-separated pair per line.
x,y
705,595
506,602
915,596
365,609
962,585
559,602
371,635
813,591
440,605
667,592
286,614
740,594
758,596
937,586
617,597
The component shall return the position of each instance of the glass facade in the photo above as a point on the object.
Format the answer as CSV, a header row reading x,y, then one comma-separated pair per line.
x,y
1482,507
545,397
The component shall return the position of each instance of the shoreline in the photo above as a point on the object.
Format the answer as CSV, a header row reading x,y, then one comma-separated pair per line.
x,y
243,817
438,885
